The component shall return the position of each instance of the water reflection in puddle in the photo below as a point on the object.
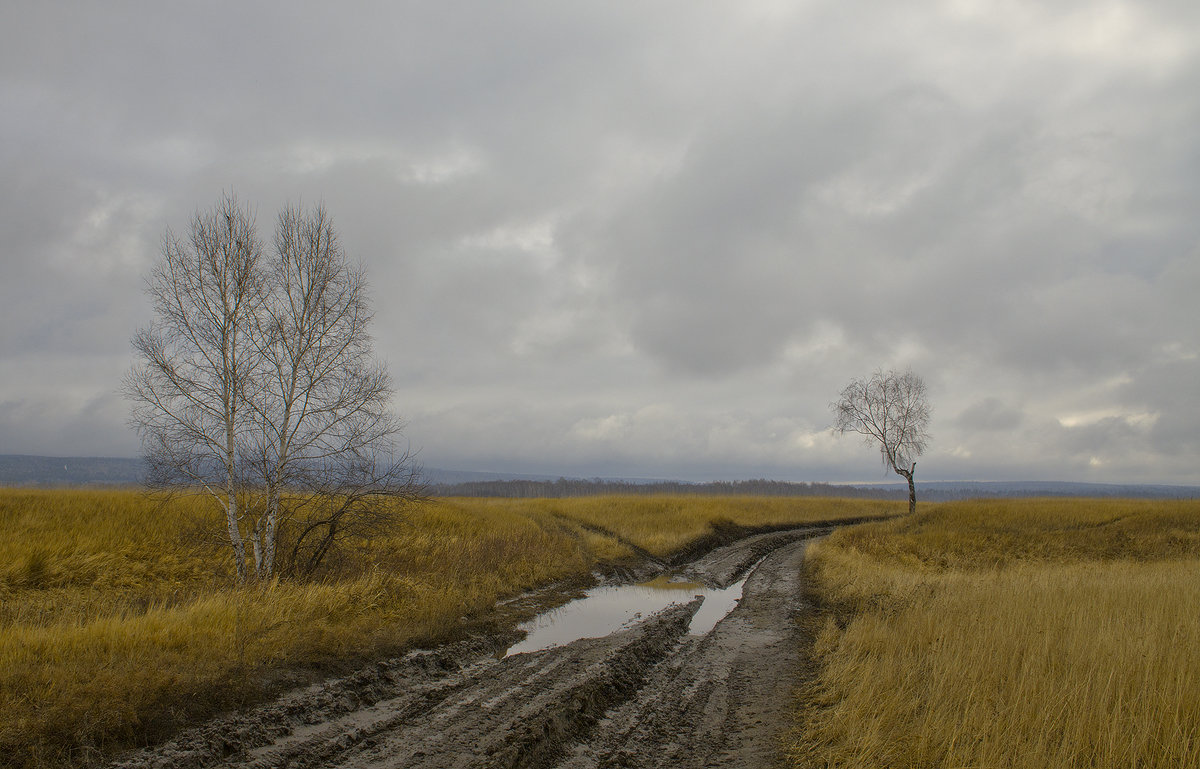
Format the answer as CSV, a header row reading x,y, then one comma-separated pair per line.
x,y
605,610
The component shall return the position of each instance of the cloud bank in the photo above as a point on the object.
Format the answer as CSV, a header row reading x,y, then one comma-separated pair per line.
x,y
620,239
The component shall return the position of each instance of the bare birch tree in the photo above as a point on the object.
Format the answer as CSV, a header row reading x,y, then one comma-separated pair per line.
x,y
889,409
261,368
188,393
326,444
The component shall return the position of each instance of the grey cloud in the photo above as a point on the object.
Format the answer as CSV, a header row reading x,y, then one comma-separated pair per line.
x,y
1111,447
572,213
1166,389
989,414
62,428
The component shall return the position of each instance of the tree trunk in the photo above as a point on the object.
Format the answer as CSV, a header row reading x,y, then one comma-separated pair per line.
x,y
228,377
235,538
912,487
256,538
269,535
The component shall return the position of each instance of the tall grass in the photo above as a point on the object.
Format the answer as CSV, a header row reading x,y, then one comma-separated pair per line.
x,y
1009,634
115,626
662,525
118,623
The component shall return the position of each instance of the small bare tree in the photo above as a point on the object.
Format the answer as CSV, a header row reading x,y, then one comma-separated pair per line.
x,y
258,385
889,409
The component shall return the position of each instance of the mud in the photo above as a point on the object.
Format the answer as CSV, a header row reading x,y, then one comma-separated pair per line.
x,y
648,695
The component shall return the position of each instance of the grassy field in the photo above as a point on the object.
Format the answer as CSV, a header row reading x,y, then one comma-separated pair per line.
x,y
118,624
665,525
1026,633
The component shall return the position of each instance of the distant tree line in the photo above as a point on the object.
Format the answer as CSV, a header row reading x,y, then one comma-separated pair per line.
x,y
936,491
570,487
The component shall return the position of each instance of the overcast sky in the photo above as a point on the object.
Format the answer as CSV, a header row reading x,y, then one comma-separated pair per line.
x,y
647,239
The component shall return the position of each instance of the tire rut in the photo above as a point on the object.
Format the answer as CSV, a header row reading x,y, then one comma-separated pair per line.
x,y
719,700
519,711
646,696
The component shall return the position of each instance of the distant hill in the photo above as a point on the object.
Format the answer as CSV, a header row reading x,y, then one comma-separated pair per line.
x,y
949,490
26,470
935,491
436,475
582,487
37,471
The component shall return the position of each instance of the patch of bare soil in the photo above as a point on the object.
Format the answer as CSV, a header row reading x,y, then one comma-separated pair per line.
x,y
646,696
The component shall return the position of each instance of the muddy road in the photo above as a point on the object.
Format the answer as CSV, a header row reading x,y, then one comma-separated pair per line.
x,y
650,694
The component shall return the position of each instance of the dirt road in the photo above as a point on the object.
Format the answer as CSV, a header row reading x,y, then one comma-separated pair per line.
x,y
650,695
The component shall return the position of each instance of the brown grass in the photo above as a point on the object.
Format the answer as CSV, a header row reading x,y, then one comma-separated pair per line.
x,y
116,626
662,525
1026,633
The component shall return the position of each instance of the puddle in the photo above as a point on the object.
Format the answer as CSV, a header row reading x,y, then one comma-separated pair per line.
x,y
605,610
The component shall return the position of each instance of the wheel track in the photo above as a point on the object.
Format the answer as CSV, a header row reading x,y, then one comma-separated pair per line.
x,y
647,696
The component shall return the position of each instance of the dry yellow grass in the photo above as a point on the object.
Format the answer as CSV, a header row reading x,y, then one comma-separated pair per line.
x,y
1027,633
662,525
115,626
113,629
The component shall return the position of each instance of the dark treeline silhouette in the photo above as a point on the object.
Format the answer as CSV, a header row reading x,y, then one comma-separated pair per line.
x,y
50,472
935,491
565,487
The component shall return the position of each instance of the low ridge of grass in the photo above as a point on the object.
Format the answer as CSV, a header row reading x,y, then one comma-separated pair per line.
x,y
664,525
117,625
1016,633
